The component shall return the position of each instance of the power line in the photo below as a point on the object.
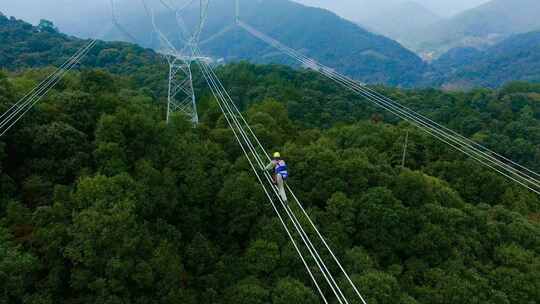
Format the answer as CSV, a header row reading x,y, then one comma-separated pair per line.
x,y
18,110
119,26
218,95
296,222
488,158
25,104
406,143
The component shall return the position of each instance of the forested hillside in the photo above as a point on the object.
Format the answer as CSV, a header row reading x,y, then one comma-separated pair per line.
x,y
102,202
319,33
23,46
516,58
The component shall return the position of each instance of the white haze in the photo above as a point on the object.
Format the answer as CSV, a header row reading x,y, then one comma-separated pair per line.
x,y
72,16
362,9
80,17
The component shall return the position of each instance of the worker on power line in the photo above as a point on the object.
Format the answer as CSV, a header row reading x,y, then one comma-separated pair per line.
x,y
281,174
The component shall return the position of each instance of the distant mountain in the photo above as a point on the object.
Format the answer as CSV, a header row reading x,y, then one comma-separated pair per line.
x,y
24,46
354,10
401,22
318,33
480,27
516,58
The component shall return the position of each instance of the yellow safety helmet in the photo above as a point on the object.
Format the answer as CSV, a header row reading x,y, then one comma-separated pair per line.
x,y
277,155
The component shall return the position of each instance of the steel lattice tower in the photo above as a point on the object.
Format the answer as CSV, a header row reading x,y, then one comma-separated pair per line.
x,y
181,95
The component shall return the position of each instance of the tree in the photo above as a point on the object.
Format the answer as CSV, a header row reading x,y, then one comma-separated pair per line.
x,y
517,273
104,202
383,221
60,151
358,261
239,205
93,81
377,288
113,252
37,191
47,26
341,215
2,157
262,258
248,291
289,290
17,270
6,93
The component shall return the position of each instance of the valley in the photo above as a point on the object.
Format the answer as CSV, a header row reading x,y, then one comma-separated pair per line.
x,y
414,182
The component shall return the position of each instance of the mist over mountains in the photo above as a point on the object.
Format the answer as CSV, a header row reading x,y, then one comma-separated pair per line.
x,y
479,27
318,33
111,194
475,48
431,28
402,21
104,202
81,18
358,10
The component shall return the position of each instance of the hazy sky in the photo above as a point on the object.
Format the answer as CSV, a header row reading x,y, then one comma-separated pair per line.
x,y
73,11
356,9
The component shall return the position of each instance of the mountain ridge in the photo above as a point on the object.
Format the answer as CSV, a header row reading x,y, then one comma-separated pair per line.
x,y
321,34
374,59
515,58
480,27
102,201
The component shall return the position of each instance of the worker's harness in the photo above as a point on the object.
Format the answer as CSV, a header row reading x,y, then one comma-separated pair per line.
x,y
281,169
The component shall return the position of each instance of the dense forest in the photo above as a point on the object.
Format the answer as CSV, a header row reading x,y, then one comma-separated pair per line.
x,y
24,46
517,57
101,201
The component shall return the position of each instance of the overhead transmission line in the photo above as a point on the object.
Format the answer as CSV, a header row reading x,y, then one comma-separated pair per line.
x,y
256,170
252,148
219,34
500,164
183,34
18,110
12,115
119,26
239,125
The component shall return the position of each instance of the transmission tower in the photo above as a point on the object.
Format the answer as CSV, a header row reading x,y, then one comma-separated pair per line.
x,y
181,95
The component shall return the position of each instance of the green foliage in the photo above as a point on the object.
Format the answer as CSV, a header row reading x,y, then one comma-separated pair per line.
x,y
102,202
47,26
520,87
17,269
379,288
6,92
293,291
263,257
249,291
25,46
